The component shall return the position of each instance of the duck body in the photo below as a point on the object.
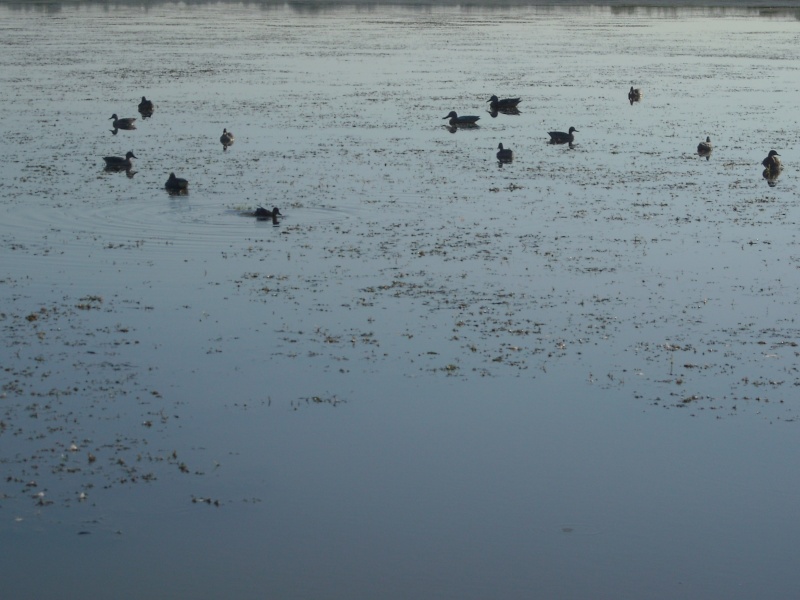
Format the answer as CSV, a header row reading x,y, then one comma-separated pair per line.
x,y
500,105
634,95
265,213
561,137
127,123
772,163
118,162
176,184
504,154
226,139
456,121
146,107
705,147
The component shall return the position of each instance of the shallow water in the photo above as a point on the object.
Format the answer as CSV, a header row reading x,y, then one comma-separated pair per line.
x,y
573,375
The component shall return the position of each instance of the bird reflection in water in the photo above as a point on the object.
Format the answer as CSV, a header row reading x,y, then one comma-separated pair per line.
x,y
129,172
772,178
506,111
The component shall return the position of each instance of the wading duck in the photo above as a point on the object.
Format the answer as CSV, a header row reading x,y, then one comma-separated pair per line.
x,y
504,154
772,164
705,147
634,95
176,184
146,107
559,137
466,120
504,104
226,139
123,123
118,162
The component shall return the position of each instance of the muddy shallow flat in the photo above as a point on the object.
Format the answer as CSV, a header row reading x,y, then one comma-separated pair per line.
x,y
436,375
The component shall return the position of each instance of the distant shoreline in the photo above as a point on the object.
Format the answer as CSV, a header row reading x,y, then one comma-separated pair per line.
x,y
781,5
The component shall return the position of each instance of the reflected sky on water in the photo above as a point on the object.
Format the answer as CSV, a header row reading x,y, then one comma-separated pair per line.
x,y
436,375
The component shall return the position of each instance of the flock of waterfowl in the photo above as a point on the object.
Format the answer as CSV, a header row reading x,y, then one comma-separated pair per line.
x,y
174,184
772,164
507,106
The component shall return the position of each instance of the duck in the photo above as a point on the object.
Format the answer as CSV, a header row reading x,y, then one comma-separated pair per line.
x,y
123,123
634,95
146,106
772,163
504,154
455,120
176,184
705,147
118,162
559,137
504,104
226,139
265,213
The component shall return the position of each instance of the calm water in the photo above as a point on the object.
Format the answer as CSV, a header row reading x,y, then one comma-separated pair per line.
x,y
570,376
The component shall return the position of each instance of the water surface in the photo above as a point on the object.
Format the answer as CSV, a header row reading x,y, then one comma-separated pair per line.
x,y
438,376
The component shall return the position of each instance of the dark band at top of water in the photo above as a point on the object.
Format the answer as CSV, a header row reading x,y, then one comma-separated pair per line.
x,y
763,6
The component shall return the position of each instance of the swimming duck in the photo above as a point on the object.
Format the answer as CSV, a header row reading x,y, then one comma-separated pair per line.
x,y
119,163
455,120
123,123
264,213
634,95
504,104
559,137
772,163
226,139
146,107
504,154
705,147
176,184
